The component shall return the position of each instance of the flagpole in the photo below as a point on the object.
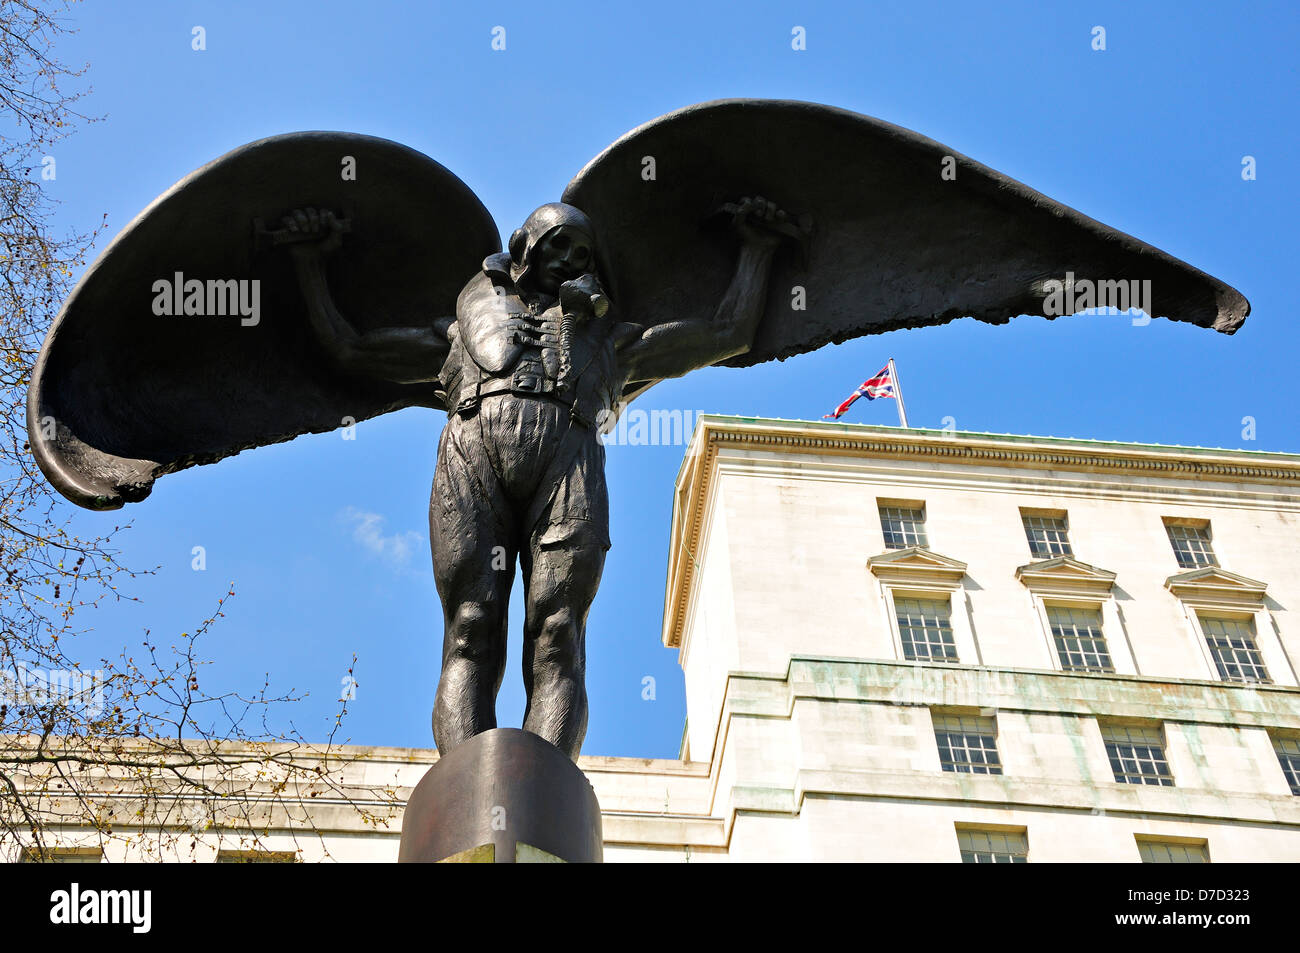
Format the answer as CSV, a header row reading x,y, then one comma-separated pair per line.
x,y
898,393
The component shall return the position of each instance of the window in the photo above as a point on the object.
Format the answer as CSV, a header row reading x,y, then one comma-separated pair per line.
x,y
1079,642
925,629
1232,643
903,527
967,745
1288,753
63,855
1137,755
993,847
1048,535
1173,852
1191,544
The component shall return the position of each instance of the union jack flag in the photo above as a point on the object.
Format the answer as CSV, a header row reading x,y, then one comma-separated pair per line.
x,y
881,385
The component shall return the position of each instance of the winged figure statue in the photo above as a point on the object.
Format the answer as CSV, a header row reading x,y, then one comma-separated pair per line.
x,y
312,280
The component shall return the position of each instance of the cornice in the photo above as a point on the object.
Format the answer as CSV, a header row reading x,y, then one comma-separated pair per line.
x,y
1018,452
684,539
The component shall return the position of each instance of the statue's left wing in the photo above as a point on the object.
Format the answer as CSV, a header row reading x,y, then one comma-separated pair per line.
x,y
188,339
897,231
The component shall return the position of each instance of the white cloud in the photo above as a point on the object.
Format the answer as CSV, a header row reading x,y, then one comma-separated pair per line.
x,y
368,530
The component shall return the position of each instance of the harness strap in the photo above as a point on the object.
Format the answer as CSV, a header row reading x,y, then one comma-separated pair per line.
x,y
469,404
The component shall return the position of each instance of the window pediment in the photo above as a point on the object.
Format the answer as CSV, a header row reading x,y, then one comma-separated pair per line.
x,y
1212,584
918,566
1065,575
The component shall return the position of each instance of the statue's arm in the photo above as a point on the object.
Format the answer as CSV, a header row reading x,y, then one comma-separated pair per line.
x,y
402,355
679,347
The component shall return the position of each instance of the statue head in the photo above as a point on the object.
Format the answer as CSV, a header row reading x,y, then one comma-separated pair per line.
x,y
556,244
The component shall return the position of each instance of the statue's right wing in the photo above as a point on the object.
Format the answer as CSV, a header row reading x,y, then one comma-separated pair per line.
x,y
122,393
901,231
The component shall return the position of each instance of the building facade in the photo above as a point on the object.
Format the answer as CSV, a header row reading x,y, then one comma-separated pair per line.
x,y
911,645
919,645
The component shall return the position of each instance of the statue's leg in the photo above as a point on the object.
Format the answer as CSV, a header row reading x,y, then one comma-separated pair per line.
x,y
561,565
560,582
473,565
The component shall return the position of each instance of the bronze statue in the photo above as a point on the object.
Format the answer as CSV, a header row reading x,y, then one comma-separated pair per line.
x,y
529,365
729,233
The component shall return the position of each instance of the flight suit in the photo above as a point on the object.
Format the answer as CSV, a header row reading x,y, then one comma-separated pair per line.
x,y
520,474
520,457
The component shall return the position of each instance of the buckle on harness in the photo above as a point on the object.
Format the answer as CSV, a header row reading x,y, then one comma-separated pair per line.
x,y
528,383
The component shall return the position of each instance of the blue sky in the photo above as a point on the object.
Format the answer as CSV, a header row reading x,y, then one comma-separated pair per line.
x,y
326,540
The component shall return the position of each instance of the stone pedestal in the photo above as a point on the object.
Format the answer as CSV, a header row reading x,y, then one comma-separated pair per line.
x,y
505,796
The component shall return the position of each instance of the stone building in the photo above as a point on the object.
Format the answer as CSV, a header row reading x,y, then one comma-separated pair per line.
x,y
912,645
919,645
